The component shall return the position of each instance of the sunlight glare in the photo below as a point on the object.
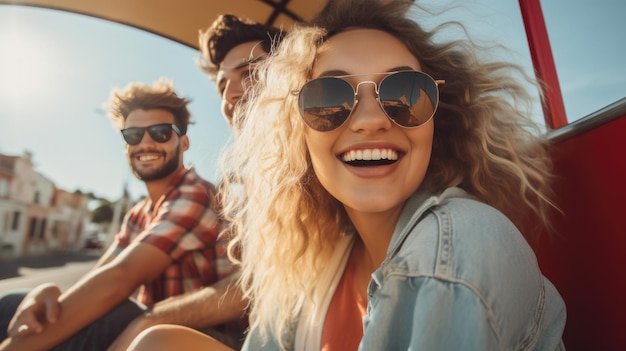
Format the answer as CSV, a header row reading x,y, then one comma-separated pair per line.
x,y
22,67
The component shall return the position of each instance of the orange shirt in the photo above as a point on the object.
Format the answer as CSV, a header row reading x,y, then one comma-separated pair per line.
x,y
343,327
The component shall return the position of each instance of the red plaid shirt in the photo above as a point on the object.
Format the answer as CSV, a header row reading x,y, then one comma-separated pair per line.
x,y
184,224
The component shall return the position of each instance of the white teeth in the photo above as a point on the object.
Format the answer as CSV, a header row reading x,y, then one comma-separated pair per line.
x,y
148,158
370,154
367,155
376,154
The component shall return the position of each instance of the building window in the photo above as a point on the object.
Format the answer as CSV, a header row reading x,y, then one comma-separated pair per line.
x,y
42,228
4,188
16,220
33,227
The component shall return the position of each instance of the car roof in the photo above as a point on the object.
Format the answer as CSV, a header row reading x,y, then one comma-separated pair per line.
x,y
180,20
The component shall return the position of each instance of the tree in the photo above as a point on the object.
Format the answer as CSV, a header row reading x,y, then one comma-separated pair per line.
x,y
102,213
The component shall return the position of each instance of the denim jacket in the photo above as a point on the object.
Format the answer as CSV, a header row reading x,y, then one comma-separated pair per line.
x,y
458,276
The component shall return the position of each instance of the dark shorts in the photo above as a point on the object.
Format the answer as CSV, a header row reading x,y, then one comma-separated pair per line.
x,y
97,336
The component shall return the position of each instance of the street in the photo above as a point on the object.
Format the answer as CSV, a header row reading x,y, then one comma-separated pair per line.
x,y
62,269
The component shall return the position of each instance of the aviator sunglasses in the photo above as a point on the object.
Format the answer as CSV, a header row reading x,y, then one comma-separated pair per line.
x,y
160,133
408,98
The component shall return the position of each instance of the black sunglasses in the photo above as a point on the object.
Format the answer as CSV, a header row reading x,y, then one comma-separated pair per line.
x,y
408,98
160,133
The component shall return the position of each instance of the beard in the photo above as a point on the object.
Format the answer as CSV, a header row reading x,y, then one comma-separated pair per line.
x,y
161,172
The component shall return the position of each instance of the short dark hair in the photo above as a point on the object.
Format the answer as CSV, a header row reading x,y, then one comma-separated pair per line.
x,y
228,31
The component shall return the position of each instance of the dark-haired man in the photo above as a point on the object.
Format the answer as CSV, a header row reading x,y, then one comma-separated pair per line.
x,y
230,48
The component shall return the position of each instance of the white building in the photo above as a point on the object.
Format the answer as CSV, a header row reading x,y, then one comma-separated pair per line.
x,y
35,216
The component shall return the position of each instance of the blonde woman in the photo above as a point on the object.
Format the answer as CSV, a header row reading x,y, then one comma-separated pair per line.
x,y
383,176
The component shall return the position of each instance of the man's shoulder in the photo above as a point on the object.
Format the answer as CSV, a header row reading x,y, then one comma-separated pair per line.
x,y
194,182
195,188
193,178
138,207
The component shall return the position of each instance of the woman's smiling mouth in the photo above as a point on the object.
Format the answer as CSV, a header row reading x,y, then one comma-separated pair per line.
x,y
370,157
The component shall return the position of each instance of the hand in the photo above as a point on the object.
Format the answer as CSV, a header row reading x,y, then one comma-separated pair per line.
x,y
39,307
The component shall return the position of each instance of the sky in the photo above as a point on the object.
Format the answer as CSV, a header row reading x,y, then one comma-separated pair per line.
x,y
57,69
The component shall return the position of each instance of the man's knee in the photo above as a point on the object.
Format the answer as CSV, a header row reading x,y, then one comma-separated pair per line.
x,y
158,337
9,302
99,335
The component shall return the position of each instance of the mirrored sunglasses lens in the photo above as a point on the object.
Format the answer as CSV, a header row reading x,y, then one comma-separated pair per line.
x,y
160,133
133,136
409,98
326,103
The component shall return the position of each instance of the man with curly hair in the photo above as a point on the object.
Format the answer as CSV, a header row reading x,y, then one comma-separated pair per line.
x,y
169,244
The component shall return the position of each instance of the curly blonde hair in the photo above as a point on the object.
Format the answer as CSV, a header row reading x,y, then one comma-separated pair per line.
x,y
286,224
